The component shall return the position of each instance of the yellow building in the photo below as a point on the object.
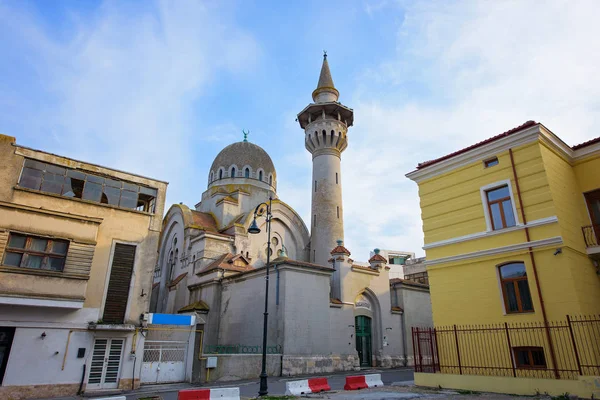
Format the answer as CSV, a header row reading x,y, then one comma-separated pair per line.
x,y
78,248
511,230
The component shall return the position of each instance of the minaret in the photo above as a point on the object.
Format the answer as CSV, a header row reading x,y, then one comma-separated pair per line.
x,y
325,123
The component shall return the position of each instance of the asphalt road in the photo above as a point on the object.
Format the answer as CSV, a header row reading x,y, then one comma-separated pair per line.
x,y
277,384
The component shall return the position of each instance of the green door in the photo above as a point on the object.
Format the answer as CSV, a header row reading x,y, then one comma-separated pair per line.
x,y
363,339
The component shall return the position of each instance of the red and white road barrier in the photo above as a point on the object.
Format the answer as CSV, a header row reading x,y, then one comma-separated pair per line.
x,y
209,394
305,386
363,381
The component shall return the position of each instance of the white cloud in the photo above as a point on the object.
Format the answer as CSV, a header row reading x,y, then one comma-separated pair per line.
x,y
479,69
126,80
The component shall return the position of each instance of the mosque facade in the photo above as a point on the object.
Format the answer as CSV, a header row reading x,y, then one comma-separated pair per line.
x,y
326,312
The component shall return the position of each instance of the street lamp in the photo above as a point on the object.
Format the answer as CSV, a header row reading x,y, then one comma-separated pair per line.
x,y
254,229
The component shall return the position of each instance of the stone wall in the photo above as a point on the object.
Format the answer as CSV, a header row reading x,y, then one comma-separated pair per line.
x,y
232,367
305,365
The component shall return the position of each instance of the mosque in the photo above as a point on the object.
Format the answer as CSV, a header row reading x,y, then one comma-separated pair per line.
x,y
326,312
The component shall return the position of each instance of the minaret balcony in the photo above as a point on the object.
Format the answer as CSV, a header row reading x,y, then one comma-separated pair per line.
x,y
333,110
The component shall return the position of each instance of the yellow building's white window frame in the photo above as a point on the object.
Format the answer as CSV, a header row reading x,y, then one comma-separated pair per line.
x,y
484,202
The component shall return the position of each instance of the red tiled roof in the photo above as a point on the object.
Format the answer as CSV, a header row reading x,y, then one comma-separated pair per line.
x,y
397,309
225,262
205,221
588,143
175,281
340,250
479,144
377,257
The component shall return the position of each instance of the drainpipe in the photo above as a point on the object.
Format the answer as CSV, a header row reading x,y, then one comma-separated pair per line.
x,y
402,326
533,265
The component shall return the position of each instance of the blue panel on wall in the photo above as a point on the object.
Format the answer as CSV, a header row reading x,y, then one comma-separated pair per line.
x,y
171,319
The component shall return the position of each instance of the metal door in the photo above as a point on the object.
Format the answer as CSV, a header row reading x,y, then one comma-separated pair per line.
x,y
164,361
6,338
363,340
106,364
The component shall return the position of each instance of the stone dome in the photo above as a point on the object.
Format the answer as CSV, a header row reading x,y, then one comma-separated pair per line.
x,y
239,156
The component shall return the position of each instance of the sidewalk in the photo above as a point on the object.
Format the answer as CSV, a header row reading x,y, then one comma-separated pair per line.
x,y
276,384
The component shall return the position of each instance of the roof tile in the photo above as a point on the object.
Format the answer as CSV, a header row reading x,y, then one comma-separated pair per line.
x,y
340,250
479,144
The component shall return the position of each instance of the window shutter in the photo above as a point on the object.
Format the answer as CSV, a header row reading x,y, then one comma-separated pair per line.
x,y
3,241
118,286
79,259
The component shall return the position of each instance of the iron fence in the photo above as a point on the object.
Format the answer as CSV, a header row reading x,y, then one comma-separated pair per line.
x,y
591,235
239,349
557,350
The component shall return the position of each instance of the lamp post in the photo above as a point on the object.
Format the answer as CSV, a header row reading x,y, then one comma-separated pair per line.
x,y
254,229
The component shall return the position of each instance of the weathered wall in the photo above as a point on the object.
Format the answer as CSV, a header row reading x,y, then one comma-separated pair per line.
x,y
232,367
242,307
84,223
306,311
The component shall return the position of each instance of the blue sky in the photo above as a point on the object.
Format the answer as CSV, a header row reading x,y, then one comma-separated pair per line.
x,y
159,87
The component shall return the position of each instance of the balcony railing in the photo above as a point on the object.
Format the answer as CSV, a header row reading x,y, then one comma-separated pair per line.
x,y
591,233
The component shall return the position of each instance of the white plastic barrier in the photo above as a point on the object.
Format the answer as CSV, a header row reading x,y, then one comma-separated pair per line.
x,y
225,393
374,380
297,388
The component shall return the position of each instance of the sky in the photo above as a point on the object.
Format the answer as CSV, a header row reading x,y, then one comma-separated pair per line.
x,y
158,88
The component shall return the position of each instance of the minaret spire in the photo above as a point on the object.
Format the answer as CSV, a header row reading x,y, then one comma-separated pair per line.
x,y
325,91
325,123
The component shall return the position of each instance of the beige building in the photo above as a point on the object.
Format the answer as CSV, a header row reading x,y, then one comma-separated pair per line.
x,y
78,245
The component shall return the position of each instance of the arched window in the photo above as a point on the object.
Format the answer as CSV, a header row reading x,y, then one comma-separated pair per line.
x,y
220,174
232,172
211,176
247,173
260,175
171,265
271,180
324,137
515,288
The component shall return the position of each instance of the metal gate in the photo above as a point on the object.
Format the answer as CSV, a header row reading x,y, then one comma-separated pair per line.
x,y
164,361
425,350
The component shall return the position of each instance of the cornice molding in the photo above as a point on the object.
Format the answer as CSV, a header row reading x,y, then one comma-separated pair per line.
x,y
23,207
479,235
498,250
530,135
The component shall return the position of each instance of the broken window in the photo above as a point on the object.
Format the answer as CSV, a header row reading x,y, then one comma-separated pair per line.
x,y
71,183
